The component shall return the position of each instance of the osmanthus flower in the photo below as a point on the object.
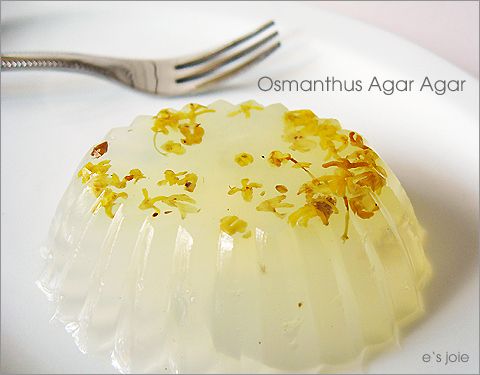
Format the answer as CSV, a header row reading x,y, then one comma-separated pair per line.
x,y
302,164
173,148
193,110
361,172
303,129
354,178
193,135
357,140
135,175
100,182
300,142
300,126
169,119
149,203
346,164
334,184
180,201
278,158
108,199
246,108
273,204
363,205
89,169
365,154
233,224
320,206
371,179
246,189
243,159
184,121
188,180
331,137
165,119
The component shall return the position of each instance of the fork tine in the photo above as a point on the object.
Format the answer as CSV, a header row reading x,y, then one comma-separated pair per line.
x,y
211,68
229,73
207,56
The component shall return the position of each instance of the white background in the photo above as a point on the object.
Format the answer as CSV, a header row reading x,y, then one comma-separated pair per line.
x,y
447,28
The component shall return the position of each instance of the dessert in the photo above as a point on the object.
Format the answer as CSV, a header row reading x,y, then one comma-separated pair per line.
x,y
234,238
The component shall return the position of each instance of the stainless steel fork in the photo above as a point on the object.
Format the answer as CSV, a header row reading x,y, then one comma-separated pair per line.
x,y
170,77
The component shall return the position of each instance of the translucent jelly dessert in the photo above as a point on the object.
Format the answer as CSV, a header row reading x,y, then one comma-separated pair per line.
x,y
234,238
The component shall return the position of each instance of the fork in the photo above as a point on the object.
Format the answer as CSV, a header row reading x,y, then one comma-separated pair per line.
x,y
169,77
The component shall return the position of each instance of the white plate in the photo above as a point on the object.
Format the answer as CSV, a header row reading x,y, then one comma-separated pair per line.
x,y
49,119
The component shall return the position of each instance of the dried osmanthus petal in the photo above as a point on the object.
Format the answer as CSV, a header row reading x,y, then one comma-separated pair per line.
x,y
188,180
186,121
173,148
246,190
233,224
281,189
273,204
135,175
243,159
99,150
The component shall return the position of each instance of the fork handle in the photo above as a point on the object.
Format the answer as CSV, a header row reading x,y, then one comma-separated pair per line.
x,y
61,61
